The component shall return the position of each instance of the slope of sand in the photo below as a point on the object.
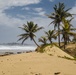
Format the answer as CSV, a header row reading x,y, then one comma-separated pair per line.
x,y
36,64
55,51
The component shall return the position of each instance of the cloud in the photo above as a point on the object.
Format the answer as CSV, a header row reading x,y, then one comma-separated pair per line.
x,y
6,4
73,11
42,13
26,8
39,11
9,21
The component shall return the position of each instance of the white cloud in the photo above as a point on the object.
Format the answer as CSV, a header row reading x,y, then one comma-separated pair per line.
x,y
26,8
8,3
5,4
42,13
9,21
73,11
39,11
21,16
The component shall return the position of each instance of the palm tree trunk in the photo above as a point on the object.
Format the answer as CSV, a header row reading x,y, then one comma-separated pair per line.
x,y
50,41
35,42
59,34
64,41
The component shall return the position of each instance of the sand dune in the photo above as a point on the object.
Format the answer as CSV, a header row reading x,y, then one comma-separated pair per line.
x,y
55,51
36,64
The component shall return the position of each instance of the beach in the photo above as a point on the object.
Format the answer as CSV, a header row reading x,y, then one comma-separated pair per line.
x,y
36,64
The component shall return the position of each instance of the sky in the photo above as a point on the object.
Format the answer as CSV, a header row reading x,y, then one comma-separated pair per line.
x,y
15,13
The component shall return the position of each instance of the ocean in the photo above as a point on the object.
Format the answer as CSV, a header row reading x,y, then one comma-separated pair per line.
x,y
16,48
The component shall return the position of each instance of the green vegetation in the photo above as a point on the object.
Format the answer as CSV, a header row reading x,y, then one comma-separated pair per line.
x,y
67,58
43,39
30,30
67,31
41,48
63,29
50,35
58,15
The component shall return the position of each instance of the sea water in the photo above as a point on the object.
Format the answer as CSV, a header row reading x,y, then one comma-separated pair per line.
x,y
16,48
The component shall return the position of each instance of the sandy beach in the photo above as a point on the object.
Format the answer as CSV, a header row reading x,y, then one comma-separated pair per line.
x,y
36,64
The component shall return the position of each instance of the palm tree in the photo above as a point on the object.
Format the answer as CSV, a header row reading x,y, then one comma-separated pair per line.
x,y
67,31
30,29
58,15
74,39
43,40
50,34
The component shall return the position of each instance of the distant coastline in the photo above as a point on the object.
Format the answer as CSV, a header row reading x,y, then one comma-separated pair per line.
x,y
16,44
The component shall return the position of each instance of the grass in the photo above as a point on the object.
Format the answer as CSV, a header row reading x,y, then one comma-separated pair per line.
x,y
72,52
42,48
67,58
50,54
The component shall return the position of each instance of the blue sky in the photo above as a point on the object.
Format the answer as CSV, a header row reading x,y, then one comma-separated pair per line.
x,y
15,13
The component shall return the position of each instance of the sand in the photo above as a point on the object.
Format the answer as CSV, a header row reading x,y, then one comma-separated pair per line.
x,y
36,64
55,51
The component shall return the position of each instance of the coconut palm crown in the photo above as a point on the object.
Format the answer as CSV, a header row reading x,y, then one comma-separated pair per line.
x,y
29,31
58,15
67,31
43,39
50,35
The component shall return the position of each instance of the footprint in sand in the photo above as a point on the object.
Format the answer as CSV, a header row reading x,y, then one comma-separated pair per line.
x,y
57,73
1,61
38,74
7,59
20,59
3,73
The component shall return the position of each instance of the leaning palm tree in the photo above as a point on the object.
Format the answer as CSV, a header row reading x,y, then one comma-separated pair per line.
x,y
30,29
50,35
43,40
57,16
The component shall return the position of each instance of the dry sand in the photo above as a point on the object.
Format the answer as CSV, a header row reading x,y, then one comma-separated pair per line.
x,y
36,64
55,51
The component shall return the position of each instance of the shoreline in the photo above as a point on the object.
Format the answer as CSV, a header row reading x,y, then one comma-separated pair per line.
x,y
15,49
10,52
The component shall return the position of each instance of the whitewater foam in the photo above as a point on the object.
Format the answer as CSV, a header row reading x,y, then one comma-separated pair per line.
x,y
16,48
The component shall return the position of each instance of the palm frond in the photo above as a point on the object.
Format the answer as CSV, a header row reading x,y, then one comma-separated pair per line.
x,y
25,39
68,9
72,33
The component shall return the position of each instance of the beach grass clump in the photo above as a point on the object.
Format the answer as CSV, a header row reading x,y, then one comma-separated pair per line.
x,y
67,58
41,49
